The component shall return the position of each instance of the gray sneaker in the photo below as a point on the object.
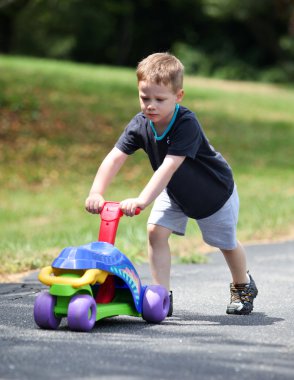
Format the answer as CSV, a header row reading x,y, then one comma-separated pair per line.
x,y
242,296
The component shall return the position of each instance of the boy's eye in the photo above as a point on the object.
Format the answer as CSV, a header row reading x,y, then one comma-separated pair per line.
x,y
159,100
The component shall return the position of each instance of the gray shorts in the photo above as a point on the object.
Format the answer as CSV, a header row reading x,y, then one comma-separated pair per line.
x,y
218,230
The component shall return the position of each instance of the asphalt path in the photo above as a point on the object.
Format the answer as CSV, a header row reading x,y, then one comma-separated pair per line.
x,y
199,342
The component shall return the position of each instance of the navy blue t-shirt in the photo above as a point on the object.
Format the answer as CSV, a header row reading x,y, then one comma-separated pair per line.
x,y
204,181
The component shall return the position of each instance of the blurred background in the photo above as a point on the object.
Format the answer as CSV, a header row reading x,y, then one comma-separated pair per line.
x,y
68,88
224,38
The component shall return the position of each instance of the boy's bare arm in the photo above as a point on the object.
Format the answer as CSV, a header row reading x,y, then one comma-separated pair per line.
x,y
106,172
154,187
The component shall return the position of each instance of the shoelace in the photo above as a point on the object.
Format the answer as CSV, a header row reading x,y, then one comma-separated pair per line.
x,y
241,293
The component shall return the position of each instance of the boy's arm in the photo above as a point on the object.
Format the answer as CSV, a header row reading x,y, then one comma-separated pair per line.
x,y
154,187
106,172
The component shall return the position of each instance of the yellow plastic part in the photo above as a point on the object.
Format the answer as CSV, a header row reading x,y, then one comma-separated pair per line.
x,y
90,277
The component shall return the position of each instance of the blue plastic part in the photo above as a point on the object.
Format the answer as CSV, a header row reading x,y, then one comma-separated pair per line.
x,y
97,255
104,256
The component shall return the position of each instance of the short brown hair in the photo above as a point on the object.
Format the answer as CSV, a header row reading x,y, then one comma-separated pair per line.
x,y
161,68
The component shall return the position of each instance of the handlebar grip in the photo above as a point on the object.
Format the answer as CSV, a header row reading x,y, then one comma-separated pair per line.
x,y
110,216
138,210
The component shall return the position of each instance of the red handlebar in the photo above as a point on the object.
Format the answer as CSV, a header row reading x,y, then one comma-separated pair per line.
x,y
110,216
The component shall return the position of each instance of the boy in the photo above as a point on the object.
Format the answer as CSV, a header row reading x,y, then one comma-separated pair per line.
x,y
190,178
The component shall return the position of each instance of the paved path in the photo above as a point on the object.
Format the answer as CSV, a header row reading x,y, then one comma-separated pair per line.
x,y
199,342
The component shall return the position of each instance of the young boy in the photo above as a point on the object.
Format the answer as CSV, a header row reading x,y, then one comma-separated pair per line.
x,y
190,178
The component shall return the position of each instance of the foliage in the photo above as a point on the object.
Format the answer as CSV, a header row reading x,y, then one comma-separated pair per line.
x,y
58,120
226,38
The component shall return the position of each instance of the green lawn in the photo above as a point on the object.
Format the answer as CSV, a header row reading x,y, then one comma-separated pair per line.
x,y
59,119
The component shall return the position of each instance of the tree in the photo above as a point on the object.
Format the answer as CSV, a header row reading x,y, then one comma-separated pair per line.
x,y
225,37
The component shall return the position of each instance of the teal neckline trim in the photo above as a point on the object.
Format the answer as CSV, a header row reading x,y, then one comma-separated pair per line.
x,y
158,138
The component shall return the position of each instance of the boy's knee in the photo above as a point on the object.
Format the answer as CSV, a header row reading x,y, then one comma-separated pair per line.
x,y
157,233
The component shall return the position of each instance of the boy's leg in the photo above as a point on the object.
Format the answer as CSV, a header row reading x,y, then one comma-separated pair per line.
x,y
219,230
165,218
159,254
243,289
236,260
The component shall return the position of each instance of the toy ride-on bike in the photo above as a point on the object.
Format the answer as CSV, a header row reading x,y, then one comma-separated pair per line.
x,y
96,281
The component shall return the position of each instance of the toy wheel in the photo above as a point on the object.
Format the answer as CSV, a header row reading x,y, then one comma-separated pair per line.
x,y
81,315
44,311
155,303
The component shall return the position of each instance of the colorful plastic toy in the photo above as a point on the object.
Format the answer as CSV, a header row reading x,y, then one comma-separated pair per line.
x,y
96,281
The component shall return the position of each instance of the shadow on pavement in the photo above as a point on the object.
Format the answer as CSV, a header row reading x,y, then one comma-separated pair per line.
x,y
254,319
130,325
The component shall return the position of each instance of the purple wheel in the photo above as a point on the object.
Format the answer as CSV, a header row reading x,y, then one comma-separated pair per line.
x,y
44,311
81,315
155,303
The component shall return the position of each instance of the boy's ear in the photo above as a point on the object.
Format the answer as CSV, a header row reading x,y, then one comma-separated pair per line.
x,y
180,95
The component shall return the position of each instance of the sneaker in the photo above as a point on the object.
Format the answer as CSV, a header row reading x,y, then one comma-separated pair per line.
x,y
242,296
171,307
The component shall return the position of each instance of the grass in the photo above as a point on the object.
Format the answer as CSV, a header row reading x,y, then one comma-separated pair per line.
x,y
59,119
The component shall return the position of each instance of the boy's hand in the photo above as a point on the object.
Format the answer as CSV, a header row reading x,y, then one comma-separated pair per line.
x,y
129,206
94,203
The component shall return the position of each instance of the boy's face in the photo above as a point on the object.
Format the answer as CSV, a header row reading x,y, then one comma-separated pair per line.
x,y
158,102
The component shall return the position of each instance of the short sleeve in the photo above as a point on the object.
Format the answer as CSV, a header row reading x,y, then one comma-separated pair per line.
x,y
129,140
